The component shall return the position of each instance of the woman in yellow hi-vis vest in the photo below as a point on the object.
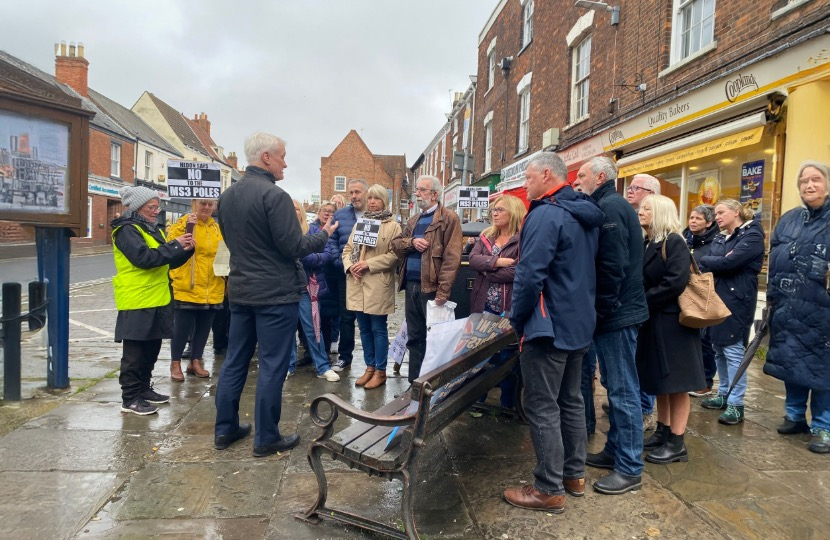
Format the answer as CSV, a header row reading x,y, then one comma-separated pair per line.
x,y
143,256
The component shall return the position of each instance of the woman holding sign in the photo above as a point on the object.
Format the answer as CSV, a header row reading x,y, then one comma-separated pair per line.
x,y
370,282
197,291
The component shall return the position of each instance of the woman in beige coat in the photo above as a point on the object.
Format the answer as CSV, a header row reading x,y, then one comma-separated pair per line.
x,y
370,286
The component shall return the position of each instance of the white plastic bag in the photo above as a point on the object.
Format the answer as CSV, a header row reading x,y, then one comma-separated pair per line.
x,y
438,314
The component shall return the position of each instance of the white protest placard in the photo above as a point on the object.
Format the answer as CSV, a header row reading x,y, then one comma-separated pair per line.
x,y
366,232
193,179
222,261
473,197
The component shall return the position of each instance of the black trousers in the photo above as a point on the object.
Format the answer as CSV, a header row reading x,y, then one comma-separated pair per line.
x,y
416,326
345,348
193,325
137,363
221,324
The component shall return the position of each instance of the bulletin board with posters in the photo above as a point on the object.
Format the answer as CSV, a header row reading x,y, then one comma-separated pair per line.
x,y
43,157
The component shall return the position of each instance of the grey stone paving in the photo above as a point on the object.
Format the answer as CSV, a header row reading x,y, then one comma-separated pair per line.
x,y
72,466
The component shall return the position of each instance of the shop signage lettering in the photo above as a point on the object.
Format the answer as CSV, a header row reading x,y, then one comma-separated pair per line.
x,y
582,151
516,171
664,115
615,136
735,87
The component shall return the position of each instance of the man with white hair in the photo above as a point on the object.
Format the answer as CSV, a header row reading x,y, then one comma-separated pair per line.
x,y
261,230
430,247
621,309
641,186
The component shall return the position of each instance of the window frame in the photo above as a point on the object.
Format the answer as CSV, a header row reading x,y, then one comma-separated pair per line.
x,y
115,159
523,142
527,23
336,178
488,145
684,28
581,81
148,166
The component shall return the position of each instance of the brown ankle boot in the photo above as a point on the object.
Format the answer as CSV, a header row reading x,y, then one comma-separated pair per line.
x,y
176,371
366,377
378,379
196,368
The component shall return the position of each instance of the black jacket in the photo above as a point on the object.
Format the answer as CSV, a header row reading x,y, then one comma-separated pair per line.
x,y
260,228
148,323
701,244
736,262
620,298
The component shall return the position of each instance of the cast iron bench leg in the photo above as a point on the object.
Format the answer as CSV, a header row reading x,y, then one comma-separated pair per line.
x,y
407,503
314,453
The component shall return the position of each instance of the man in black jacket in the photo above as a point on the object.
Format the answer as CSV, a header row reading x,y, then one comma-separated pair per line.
x,y
621,309
260,228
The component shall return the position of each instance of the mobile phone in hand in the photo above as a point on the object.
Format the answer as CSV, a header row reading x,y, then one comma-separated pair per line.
x,y
189,228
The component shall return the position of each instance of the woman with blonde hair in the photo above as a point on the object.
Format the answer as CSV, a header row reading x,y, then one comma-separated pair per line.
x,y
735,260
313,289
370,286
669,362
198,293
494,257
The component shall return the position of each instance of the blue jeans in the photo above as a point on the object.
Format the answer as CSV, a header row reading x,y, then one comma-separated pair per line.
x,y
273,327
374,336
616,352
589,368
728,358
554,408
795,405
317,349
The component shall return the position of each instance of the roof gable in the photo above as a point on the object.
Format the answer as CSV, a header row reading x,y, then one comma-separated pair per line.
x,y
179,124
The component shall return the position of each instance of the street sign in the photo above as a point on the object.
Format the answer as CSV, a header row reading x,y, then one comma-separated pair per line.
x,y
473,198
366,232
193,179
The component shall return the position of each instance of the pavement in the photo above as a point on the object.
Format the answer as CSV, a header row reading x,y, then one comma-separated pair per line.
x,y
72,466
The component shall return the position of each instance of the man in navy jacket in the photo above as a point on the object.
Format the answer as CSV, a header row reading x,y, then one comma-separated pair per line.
x,y
552,313
346,217
621,309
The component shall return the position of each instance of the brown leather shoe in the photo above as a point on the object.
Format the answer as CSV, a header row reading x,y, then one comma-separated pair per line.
x,y
195,368
532,499
378,379
574,486
176,371
367,375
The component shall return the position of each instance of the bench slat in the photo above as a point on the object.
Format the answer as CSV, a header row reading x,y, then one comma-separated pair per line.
x,y
345,439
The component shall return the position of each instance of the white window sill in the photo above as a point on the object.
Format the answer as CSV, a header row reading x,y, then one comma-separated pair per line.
x,y
786,9
689,59
577,121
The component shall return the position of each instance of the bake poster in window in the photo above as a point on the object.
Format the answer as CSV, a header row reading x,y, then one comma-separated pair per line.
x,y
752,185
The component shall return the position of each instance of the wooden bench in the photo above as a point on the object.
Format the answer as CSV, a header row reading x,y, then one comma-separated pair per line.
x,y
363,444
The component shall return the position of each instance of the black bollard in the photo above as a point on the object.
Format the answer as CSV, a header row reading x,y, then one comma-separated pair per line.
x,y
11,341
37,305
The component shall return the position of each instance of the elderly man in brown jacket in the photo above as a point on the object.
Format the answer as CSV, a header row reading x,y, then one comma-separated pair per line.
x,y
430,250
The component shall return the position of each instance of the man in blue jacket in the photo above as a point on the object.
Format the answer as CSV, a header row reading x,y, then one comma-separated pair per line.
x,y
621,309
346,217
552,313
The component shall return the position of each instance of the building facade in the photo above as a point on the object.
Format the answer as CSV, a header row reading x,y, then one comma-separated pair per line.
x,y
352,160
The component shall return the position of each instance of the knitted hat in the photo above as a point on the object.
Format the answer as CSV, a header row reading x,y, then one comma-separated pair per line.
x,y
137,196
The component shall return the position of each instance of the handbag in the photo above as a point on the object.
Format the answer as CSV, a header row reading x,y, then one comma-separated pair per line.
x,y
700,305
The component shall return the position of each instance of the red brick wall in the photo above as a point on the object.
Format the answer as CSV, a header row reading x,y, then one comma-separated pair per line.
x,y
353,160
73,71
99,155
13,233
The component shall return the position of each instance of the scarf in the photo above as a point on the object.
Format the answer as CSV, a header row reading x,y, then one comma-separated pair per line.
x,y
313,289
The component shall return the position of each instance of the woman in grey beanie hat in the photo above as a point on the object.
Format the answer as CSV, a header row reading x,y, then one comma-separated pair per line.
x,y
143,255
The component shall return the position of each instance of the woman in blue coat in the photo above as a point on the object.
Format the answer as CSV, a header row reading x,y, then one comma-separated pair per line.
x,y
799,291
735,259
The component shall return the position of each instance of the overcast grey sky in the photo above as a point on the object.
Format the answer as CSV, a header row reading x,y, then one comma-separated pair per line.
x,y
306,70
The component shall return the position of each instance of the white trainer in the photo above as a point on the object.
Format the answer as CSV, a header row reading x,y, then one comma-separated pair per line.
x,y
330,376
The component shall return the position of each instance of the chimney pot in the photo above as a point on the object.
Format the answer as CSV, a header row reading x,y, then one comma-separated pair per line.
x,y
63,48
72,49
80,49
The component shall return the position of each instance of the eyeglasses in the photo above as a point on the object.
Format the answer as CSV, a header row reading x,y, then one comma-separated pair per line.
x,y
423,190
152,207
498,210
632,189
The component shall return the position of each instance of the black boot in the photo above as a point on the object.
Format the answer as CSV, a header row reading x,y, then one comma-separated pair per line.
x,y
658,438
673,450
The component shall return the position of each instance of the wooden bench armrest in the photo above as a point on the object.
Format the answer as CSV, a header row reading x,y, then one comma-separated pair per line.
x,y
337,405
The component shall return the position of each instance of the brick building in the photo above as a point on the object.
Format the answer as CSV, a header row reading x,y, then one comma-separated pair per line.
x,y
352,159
717,99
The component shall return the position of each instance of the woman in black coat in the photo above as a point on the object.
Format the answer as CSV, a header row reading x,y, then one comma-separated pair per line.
x,y
669,362
699,235
735,260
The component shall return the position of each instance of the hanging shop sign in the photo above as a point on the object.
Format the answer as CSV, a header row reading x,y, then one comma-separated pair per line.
x,y
717,146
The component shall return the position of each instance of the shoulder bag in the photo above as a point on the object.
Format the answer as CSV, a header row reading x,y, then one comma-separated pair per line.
x,y
700,305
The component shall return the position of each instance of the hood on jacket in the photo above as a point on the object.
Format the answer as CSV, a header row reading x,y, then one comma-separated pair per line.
x,y
584,209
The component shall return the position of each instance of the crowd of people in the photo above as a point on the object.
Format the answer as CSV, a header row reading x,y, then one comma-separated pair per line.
x,y
576,246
